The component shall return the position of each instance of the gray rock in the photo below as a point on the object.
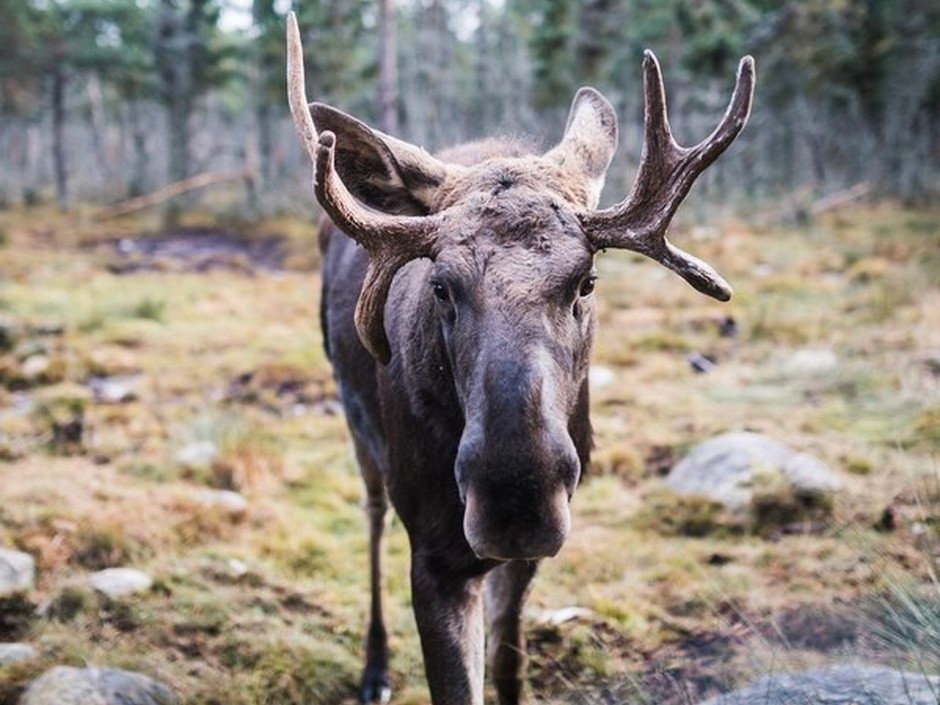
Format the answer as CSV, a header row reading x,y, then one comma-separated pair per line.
x,y
729,468
812,361
116,390
599,376
120,582
65,685
228,501
837,685
35,366
197,456
17,571
16,653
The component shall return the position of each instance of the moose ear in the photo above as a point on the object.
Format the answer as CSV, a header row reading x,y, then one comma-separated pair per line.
x,y
383,172
590,140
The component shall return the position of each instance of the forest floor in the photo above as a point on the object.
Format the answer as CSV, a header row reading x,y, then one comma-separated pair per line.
x,y
123,349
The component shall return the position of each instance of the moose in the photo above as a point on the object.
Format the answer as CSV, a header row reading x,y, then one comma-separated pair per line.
x,y
458,315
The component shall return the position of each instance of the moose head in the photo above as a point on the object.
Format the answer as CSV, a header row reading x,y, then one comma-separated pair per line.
x,y
511,239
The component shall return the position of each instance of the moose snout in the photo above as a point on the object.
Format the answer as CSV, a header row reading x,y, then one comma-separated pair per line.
x,y
505,526
516,497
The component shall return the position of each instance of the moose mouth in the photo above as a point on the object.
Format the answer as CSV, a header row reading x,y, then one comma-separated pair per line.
x,y
503,526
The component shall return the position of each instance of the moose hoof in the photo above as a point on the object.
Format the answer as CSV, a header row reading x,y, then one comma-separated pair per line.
x,y
375,687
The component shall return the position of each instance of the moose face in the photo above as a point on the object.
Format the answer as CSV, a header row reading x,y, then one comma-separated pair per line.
x,y
513,291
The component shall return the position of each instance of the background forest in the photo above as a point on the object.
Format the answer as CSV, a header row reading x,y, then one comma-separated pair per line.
x,y
111,98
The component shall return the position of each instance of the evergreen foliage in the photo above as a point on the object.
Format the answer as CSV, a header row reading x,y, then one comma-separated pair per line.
x,y
848,91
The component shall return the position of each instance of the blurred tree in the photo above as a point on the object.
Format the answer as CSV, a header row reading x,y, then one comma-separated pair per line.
x,y
342,50
268,79
19,87
388,67
859,81
188,52
551,43
53,43
848,91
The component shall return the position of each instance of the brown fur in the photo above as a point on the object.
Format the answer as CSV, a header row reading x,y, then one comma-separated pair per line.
x,y
459,320
516,253
464,369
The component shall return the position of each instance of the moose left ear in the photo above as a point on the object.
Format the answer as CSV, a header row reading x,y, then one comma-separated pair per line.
x,y
590,140
383,172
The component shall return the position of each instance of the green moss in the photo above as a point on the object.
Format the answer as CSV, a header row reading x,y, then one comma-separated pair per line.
x,y
291,674
71,601
149,309
105,546
669,514
858,466
925,432
770,509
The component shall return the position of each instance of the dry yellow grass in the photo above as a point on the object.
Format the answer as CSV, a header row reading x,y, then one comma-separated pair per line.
x,y
287,629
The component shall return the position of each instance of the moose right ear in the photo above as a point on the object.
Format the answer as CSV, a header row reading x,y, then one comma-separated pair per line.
x,y
383,172
590,140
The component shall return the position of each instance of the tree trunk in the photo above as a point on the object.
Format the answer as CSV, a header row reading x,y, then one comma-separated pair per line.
x,y
388,67
58,135
137,182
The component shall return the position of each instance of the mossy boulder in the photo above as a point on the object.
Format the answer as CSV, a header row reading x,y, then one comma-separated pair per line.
x,y
757,479
65,685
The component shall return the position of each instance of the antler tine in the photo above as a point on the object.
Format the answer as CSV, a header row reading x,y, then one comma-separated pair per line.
x,y
666,175
391,240
297,91
409,236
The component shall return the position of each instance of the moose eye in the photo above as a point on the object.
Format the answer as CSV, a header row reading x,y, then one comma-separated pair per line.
x,y
587,286
440,292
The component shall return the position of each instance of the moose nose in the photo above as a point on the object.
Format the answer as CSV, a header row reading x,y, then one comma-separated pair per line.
x,y
498,527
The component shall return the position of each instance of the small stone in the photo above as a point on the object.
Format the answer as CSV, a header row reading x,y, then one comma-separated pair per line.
x,y
237,568
599,376
35,366
197,456
16,653
563,614
113,361
120,582
65,685
115,390
762,271
812,361
228,501
701,364
17,571
728,327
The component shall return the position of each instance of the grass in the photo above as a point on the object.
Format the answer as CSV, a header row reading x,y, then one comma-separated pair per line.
x,y
668,587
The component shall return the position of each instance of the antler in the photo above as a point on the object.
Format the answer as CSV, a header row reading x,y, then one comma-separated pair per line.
x,y
391,241
297,90
667,172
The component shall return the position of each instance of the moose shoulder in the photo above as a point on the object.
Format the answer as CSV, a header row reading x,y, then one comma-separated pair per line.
x,y
458,314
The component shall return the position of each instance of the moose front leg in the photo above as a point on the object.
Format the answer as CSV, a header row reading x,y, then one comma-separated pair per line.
x,y
375,684
449,613
507,587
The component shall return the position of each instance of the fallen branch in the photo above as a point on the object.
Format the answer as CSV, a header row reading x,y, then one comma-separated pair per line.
x,y
799,208
840,198
178,188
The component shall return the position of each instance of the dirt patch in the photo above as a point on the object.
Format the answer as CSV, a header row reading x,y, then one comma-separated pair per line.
x,y
693,669
817,628
196,250
16,612
282,388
